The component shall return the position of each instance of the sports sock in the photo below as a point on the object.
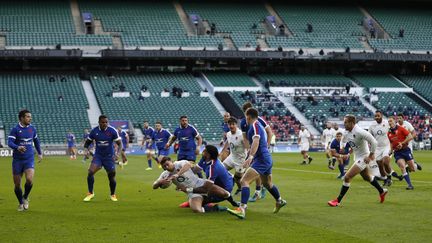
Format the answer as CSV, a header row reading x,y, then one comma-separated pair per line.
x,y
375,183
245,195
394,174
149,163
407,179
231,200
333,161
341,169
274,191
344,189
112,182
90,183
27,189
18,194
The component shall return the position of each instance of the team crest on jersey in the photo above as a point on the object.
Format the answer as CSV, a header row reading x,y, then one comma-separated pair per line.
x,y
181,179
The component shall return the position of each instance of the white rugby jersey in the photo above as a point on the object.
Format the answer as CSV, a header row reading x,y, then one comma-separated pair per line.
x,y
235,141
379,132
359,141
188,179
304,136
328,135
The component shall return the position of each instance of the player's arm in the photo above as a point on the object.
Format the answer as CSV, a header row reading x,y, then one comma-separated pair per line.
x,y
225,148
373,145
339,155
269,133
36,143
12,139
252,151
186,166
408,138
127,140
170,141
246,141
161,181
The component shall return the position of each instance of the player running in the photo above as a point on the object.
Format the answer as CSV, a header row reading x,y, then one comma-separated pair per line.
x,y
258,163
260,192
104,136
379,130
326,138
181,174
408,126
237,152
161,137
70,141
399,138
21,139
359,141
148,143
340,151
304,139
125,144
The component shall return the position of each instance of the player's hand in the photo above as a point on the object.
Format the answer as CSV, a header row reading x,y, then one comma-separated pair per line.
x,y
173,177
115,157
399,146
247,163
40,157
167,146
22,149
197,150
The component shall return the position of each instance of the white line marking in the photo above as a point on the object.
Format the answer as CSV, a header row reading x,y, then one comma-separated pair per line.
x,y
332,173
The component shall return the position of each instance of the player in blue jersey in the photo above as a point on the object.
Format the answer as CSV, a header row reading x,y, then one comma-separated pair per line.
x,y
21,139
89,152
258,163
148,143
225,153
259,190
186,134
70,141
104,136
125,144
161,137
341,153
216,172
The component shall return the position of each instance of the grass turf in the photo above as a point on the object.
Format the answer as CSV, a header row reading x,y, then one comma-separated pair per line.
x,y
57,212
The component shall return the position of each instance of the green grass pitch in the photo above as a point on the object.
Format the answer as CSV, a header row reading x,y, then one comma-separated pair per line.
x,y
57,212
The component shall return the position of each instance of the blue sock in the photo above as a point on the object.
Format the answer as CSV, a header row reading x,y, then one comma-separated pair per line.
x,y
407,179
149,163
342,169
19,195
245,193
27,189
112,184
90,182
275,192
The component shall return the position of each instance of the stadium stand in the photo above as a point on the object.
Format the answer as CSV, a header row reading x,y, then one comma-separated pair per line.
x,y
283,123
375,81
394,103
333,26
56,106
146,23
241,21
319,109
305,80
229,79
30,23
414,21
420,84
200,110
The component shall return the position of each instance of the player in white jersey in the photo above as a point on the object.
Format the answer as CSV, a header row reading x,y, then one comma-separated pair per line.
x,y
379,130
236,148
359,141
326,138
304,139
408,126
180,173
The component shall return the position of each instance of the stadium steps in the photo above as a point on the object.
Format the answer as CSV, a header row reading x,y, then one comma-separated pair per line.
x,y
94,110
421,101
212,97
229,104
229,43
376,23
297,114
279,20
76,15
184,19
367,105
2,42
117,42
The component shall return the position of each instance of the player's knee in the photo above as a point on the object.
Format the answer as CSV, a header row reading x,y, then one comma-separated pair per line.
x,y
244,183
111,174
